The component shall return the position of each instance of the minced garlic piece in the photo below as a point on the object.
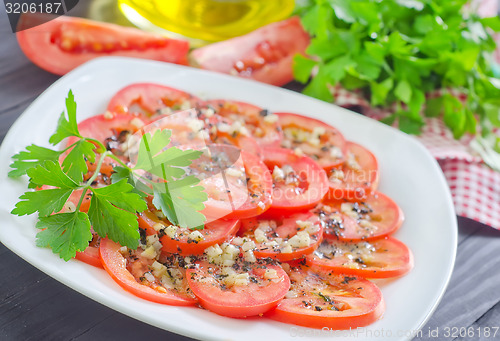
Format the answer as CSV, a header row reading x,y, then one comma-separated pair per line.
x,y
270,274
196,236
149,253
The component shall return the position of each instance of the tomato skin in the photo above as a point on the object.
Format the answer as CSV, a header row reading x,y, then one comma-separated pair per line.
x,y
355,184
332,138
260,187
385,218
392,258
285,229
215,232
90,256
64,43
146,98
115,265
365,307
265,55
265,133
287,201
241,301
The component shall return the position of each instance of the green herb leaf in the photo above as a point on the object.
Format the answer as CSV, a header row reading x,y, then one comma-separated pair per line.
x,y
50,173
33,156
74,163
138,184
403,91
181,201
112,213
65,233
45,202
66,127
302,68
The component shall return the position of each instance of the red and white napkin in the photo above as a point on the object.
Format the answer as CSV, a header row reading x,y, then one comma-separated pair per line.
x,y
475,188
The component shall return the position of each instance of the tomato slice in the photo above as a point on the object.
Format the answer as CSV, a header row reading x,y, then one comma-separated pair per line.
x,y
323,299
265,54
130,272
318,140
371,218
260,188
148,99
179,240
286,239
67,42
261,293
358,177
381,258
91,254
261,123
299,182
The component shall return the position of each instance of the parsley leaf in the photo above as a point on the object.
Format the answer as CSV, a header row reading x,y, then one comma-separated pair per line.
x,y
181,201
65,233
33,156
66,127
396,52
74,164
51,174
112,213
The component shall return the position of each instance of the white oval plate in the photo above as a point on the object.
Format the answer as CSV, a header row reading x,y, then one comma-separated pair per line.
x,y
409,175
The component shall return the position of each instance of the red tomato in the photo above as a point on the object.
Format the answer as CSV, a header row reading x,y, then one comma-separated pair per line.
x,y
260,188
381,258
358,176
265,54
374,217
284,240
299,182
261,123
318,140
91,254
254,298
64,43
126,271
147,99
323,299
214,233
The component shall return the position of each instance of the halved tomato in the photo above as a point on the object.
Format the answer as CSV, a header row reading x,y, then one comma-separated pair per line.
x,y
381,258
148,99
283,239
63,43
267,285
318,140
130,270
260,188
261,123
324,299
265,54
371,218
299,182
358,176
179,240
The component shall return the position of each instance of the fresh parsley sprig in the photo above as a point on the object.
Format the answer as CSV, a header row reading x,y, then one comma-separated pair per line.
x,y
397,51
113,208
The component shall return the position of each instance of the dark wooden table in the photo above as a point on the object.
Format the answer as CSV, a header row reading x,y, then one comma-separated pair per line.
x,y
34,306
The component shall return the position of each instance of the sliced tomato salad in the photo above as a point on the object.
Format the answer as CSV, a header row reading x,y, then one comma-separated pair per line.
x,y
250,290
381,258
285,239
299,182
183,241
148,99
371,218
262,124
320,298
139,273
358,176
63,43
294,224
318,140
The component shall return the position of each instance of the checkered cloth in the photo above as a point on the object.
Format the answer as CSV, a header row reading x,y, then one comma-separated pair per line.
x,y
475,188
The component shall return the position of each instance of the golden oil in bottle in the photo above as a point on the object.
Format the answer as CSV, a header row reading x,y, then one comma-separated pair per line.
x,y
205,21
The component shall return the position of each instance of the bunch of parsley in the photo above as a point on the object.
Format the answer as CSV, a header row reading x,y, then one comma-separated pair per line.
x,y
113,208
397,51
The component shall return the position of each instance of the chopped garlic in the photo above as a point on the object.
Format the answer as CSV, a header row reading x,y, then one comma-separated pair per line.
x,y
149,253
273,118
278,174
196,236
137,122
171,231
158,226
270,274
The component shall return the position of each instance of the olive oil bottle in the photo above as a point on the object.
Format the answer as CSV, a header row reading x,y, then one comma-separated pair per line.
x,y
205,21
